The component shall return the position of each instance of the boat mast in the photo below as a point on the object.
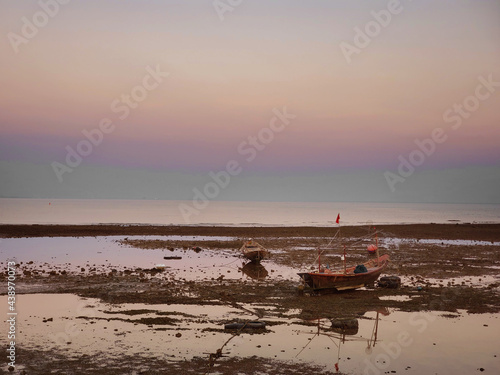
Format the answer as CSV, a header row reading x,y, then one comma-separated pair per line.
x,y
345,269
345,260
319,259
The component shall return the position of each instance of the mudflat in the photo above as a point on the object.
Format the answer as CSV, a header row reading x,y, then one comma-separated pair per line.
x,y
444,267
469,231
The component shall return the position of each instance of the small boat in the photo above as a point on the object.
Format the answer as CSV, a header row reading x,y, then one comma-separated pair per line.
x,y
253,251
349,278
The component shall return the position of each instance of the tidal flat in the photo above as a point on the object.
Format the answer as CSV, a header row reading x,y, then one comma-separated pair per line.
x,y
91,299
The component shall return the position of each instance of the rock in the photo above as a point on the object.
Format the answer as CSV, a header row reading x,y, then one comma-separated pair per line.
x,y
178,334
345,326
392,282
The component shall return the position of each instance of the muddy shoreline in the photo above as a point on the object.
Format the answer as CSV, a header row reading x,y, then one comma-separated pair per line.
x,y
441,275
427,269
468,231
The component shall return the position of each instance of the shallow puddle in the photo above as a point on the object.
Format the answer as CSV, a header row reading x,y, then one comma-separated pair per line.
x,y
376,342
73,253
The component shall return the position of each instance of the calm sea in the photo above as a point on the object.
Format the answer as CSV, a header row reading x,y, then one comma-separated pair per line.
x,y
75,211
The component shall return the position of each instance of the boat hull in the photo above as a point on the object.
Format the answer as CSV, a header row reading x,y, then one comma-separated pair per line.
x,y
253,251
345,281
255,255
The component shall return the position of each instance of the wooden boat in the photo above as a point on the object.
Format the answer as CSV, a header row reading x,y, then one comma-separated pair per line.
x,y
348,278
253,251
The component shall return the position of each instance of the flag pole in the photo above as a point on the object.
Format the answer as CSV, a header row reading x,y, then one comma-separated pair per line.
x,y
319,259
345,270
345,261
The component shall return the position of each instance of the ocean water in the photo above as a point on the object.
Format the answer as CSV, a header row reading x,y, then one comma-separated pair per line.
x,y
88,211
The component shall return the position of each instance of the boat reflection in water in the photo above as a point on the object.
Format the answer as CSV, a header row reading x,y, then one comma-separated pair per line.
x,y
340,331
254,270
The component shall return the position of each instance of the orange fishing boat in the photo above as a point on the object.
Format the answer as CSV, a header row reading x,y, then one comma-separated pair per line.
x,y
348,278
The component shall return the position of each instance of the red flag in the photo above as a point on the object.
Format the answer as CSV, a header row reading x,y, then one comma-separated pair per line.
x,y
338,218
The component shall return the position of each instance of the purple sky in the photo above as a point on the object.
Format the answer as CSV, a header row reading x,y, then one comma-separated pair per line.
x,y
226,77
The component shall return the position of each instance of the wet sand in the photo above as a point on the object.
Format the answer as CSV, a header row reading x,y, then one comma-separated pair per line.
x,y
458,271
483,232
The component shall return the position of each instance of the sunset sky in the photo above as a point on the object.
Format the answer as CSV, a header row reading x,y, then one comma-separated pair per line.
x,y
227,73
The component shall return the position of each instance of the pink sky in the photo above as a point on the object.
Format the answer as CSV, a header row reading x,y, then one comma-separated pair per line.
x,y
226,78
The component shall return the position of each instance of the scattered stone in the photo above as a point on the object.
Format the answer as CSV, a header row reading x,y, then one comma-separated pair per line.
x,y
391,282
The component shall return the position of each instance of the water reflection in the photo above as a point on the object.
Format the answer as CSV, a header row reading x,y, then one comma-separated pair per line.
x,y
69,326
343,330
254,270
